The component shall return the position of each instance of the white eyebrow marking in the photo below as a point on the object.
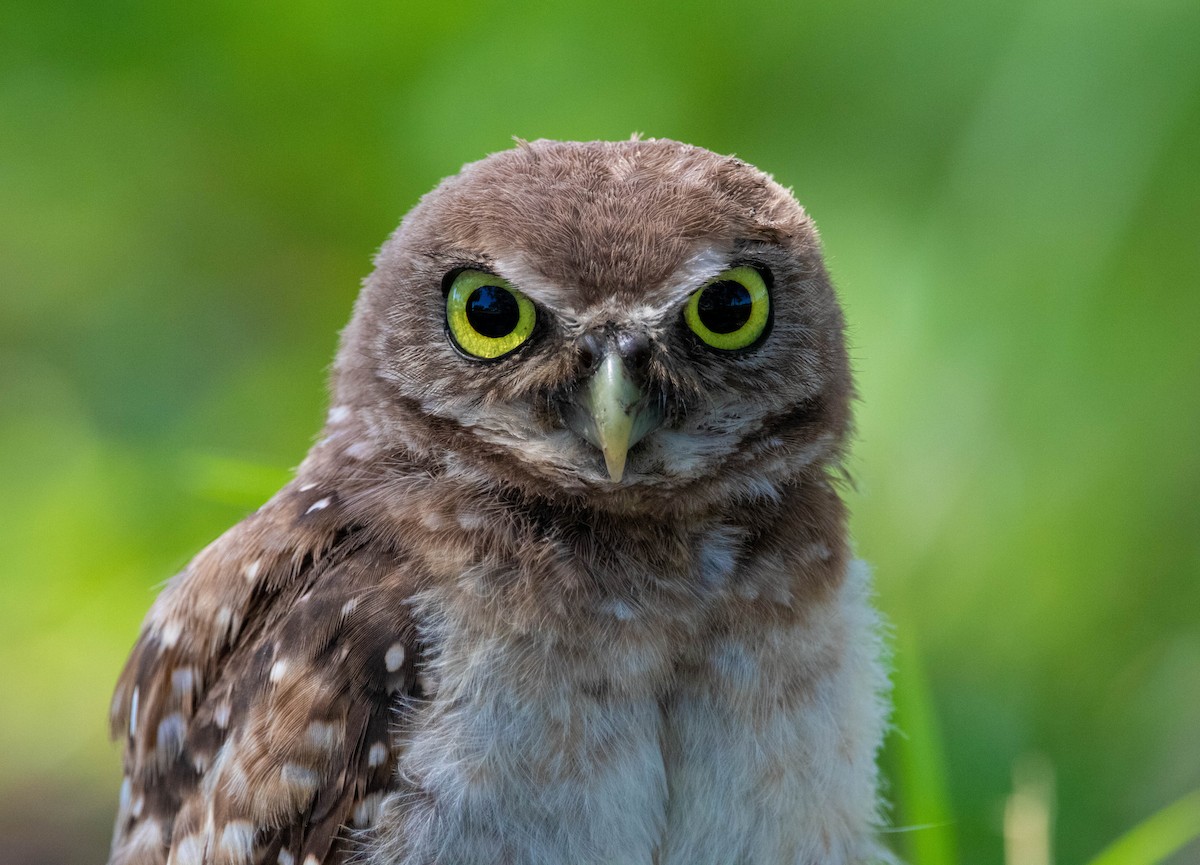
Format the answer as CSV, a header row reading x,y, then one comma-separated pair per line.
x,y
531,283
702,265
699,268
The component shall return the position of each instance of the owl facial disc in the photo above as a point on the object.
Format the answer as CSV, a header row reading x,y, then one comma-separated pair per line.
x,y
613,413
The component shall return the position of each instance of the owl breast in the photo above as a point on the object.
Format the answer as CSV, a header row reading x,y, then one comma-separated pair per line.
x,y
645,725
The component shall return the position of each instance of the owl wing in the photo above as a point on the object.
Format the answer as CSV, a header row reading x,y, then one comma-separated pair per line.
x,y
257,703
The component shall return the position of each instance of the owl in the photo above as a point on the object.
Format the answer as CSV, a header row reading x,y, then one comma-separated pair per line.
x,y
565,579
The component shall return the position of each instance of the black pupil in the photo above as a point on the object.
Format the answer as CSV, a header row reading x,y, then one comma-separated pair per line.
x,y
493,311
725,306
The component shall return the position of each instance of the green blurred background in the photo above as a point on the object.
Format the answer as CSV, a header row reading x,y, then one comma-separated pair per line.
x,y
1007,190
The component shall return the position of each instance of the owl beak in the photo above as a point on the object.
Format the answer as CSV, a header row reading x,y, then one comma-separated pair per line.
x,y
614,414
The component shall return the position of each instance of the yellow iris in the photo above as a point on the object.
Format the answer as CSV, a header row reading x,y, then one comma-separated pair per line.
x,y
486,316
731,310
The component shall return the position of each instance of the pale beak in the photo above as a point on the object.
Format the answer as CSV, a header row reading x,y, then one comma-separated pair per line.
x,y
613,413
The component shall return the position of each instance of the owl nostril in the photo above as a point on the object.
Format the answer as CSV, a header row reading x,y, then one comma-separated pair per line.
x,y
591,349
634,349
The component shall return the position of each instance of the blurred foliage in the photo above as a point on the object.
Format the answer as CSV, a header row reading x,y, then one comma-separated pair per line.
x,y
190,194
1156,837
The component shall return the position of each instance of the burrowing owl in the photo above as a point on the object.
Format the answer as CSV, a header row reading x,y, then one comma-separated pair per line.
x,y
565,580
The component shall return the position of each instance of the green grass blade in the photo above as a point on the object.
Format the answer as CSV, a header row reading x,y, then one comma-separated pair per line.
x,y
1156,837
920,766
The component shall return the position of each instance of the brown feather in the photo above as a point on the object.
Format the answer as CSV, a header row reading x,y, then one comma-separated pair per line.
x,y
269,728
453,638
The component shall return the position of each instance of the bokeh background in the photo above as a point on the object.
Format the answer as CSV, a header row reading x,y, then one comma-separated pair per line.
x,y
1008,193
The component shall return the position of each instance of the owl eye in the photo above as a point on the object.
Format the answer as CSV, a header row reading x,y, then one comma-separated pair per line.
x,y
487,318
730,311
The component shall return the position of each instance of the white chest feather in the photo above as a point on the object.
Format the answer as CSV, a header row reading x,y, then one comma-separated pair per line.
x,y
763,754
771,754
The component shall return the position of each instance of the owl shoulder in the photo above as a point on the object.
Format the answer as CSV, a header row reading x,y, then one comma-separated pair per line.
x,y
256,704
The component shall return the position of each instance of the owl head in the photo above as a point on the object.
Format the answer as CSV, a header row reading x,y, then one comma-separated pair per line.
x,y
628,325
